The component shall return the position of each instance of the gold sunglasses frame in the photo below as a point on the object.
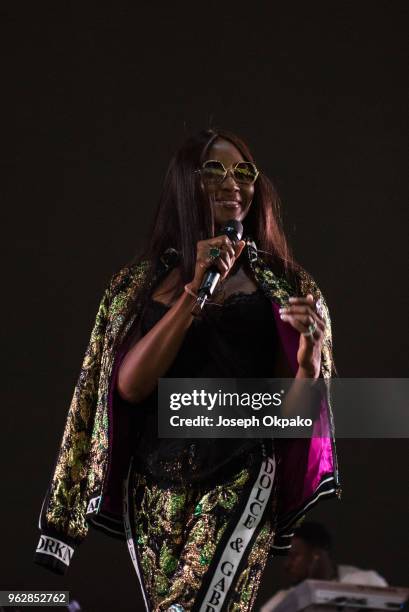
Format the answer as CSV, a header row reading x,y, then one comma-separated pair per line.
x,y
231,170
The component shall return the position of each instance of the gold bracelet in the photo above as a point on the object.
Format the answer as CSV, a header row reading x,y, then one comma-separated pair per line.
x,y
190,292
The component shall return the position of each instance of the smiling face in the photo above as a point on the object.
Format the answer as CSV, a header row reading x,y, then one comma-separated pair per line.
x,y
230,200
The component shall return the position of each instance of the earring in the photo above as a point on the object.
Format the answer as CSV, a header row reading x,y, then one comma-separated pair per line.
x,y
252,250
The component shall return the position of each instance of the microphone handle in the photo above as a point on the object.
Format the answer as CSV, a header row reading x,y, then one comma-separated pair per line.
x,y
206,289
210,281
234,230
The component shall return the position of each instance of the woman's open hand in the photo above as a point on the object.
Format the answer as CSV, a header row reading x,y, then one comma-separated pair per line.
x,y
306,317
228,253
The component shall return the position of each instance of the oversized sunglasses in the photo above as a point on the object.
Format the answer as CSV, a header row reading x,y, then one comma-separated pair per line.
x,y
213,171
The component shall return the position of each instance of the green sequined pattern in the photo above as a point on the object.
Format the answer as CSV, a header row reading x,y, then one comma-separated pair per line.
x,y
81,466
175,556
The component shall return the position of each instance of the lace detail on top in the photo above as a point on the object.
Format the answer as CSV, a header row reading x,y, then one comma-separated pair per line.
x,y
236,296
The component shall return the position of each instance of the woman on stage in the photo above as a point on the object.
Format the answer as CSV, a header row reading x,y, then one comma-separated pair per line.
x,y
200,516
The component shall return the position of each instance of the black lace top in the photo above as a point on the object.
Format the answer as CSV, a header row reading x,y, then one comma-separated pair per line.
x,y
232,340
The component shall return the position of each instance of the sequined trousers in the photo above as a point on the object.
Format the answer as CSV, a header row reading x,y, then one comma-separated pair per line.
x,y
174,534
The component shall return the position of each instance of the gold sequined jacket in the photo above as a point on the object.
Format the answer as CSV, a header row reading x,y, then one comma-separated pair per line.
x,y
86,485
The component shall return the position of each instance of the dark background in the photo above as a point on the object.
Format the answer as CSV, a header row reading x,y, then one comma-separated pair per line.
x,y
97,99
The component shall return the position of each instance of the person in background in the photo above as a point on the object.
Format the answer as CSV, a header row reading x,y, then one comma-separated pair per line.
x,y
310,557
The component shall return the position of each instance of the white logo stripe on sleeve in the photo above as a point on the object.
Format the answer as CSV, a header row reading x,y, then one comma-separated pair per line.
x,y
51,546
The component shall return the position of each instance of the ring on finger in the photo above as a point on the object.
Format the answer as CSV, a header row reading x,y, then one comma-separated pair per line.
x,y
214,253
311,330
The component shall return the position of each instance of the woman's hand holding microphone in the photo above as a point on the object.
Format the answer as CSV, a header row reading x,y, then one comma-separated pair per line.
x,y
219,252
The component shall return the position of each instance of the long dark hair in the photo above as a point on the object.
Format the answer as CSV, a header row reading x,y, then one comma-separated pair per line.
x,y
184,214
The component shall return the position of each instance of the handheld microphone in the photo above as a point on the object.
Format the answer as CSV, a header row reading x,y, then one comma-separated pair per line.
x,y
233,230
